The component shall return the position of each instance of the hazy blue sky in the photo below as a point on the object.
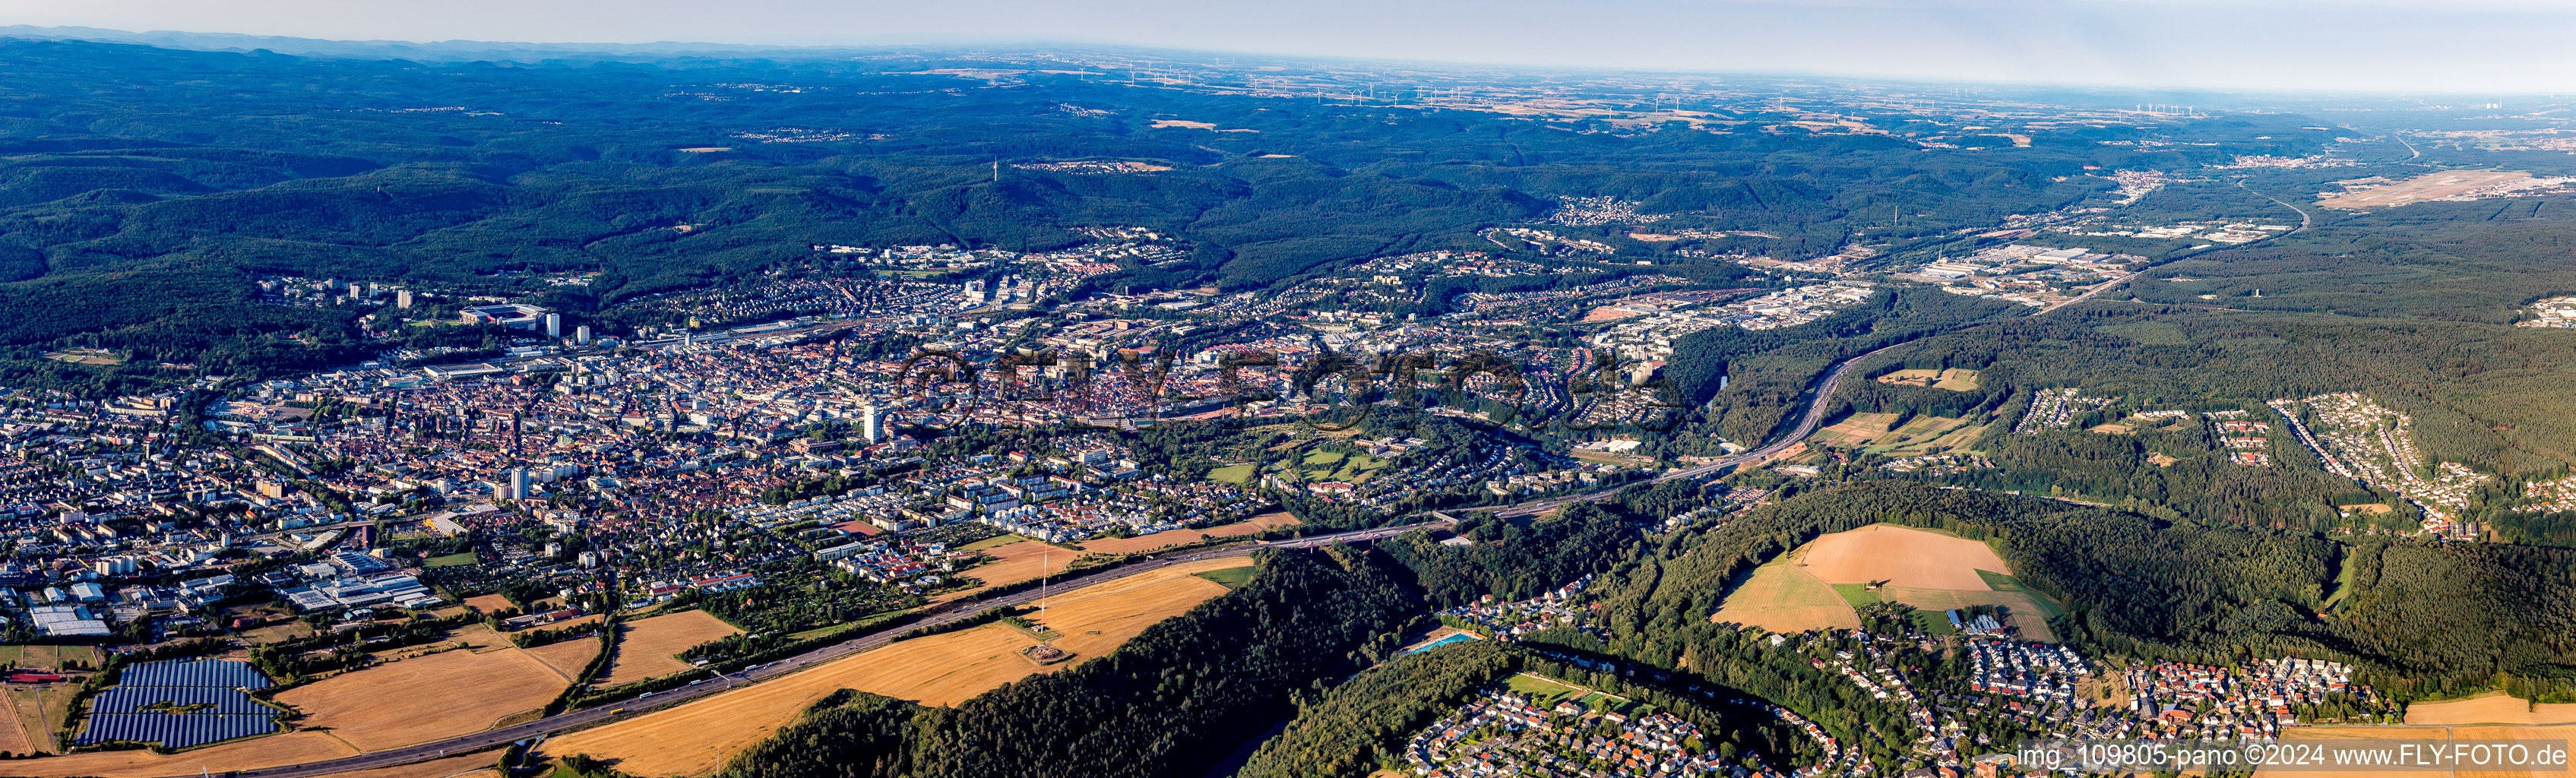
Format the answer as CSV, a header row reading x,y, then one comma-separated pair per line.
x,y
2467,46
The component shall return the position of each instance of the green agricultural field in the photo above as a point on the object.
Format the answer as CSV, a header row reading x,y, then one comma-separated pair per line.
x,y
1230,578
1542,692
2005,583
451,560
1233,474
1856,594
1319,466
996,541
1932,622
1783,597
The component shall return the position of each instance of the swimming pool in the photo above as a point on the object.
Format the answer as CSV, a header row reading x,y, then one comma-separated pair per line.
x,y
1445,641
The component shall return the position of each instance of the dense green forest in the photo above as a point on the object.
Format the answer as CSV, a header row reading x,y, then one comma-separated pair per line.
x,y
2424,618
1770,371
1171,702
1360,725
138,224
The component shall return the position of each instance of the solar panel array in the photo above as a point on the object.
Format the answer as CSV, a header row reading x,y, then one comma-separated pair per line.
x,y
144,699
160,702
174,730
217,673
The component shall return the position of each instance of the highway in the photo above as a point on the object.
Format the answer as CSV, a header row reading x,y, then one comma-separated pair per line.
x,y
1819,392
1815,414
1815,400
940,614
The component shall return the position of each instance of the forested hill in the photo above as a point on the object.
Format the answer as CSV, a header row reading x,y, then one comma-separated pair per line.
x,y
2425,618
142,190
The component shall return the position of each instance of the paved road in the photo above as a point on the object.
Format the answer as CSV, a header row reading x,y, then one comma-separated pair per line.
x,y
1815,399
1815,414
2303,212
940,614
1818,393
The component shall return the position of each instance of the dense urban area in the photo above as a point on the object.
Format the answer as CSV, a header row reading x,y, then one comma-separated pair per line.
x,y
1064,412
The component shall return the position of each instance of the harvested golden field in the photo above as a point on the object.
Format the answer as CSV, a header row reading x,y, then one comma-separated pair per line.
x,y
1927,570
37,710
566,657
1859,429
1902,556
279,632
1021,561
2491,708
696,737
1782,597
489,603
1130,545
1256,524
289,748
651,646
13,730
441,695
2413,732
1957,379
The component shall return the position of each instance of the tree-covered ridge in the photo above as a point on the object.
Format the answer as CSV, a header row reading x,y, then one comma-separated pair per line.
x,y
1361,725
1170,702
139,224
2142,587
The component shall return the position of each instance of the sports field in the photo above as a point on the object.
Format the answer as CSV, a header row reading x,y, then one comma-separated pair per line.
x,y
698,736
650,647
417,700
1782,597
451,560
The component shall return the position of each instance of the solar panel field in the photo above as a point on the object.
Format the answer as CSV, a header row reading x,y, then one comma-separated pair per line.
x,y
217,673
155,699
181,704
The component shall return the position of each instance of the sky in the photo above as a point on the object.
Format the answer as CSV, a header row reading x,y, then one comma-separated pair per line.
x,y
2465,47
